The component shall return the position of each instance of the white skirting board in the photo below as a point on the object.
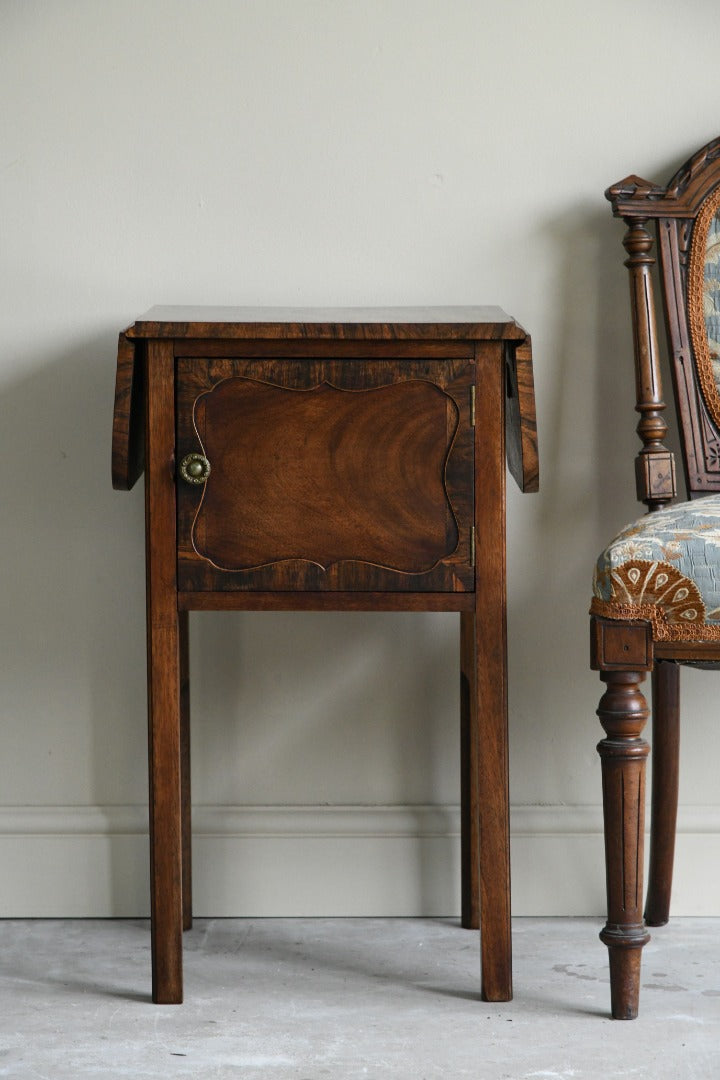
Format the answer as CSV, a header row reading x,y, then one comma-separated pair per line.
x,y
66,862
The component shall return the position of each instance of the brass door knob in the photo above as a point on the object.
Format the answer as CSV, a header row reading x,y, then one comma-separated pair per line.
x,y
194,469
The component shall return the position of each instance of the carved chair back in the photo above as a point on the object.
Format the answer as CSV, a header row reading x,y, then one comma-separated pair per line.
x,y
687,221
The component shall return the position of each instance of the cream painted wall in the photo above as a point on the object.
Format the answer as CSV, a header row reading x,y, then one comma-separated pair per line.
x,y
308,152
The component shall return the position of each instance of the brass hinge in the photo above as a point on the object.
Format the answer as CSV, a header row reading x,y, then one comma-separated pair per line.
x,y
472,405
472,545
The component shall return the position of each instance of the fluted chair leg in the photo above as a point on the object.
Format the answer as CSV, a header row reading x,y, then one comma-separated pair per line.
x,y
665,773
623,712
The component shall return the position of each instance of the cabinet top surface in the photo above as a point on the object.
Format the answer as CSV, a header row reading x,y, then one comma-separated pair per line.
x,y
375,323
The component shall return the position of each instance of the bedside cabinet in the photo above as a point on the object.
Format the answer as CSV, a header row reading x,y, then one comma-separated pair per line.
x,y
332,460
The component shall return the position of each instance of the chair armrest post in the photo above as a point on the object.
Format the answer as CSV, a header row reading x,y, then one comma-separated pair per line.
x,y
655,464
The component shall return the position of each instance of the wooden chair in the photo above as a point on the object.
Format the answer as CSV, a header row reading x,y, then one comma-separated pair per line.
x,y
656,600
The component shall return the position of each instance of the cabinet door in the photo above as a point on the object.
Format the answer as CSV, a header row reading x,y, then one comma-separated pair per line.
x,y
326,474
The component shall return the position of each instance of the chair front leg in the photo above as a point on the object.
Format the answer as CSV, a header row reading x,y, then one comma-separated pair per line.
x,y
623,712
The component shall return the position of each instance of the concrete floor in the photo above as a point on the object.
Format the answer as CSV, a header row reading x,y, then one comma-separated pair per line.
x,y
308,999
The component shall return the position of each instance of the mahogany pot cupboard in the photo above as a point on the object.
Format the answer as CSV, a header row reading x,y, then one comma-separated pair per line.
x,y
327,460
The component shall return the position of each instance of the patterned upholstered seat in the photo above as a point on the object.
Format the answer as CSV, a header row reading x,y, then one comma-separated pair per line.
x,y
665,568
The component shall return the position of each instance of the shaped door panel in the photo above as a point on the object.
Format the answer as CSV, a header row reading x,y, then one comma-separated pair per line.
x,y
334,474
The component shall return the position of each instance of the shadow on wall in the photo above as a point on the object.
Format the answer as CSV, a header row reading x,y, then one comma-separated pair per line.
x,y
586,453
320,698
73,686
301,708
588,444
74,595
587,448
323,709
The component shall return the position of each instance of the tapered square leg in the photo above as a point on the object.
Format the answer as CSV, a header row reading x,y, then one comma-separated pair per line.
x,y
489,699
185,788
469,809
665,782
163,643
165,816
494,819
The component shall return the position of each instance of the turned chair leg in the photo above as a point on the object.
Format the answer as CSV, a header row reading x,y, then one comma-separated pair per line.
x,y
623,712
665,773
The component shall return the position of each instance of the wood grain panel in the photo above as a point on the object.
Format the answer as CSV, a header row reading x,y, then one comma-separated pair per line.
x,y
327,474
325,601
329,324
521,444
340,350
128,436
